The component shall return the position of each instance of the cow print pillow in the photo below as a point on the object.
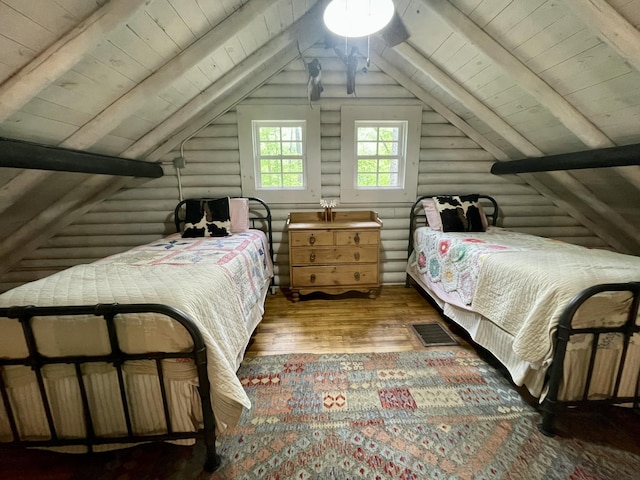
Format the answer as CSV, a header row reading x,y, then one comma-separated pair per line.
x,y
460,213
207,218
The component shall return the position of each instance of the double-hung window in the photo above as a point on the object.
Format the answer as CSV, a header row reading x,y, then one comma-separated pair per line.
x,y
280,153
380,154
380,150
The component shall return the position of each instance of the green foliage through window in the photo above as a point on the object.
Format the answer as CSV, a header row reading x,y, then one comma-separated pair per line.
x,y
379,154
280,154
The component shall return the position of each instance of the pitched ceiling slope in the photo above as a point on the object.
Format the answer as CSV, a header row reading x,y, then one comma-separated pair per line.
x,y
609,225
248,75
145,111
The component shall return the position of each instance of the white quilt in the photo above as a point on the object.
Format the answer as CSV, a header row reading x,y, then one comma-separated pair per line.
x,y
525,292
207,293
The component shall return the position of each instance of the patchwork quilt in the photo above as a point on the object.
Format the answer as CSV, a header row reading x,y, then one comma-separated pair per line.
x,y
215,281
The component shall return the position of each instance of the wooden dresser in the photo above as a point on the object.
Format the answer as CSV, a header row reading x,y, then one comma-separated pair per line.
x,y
334,257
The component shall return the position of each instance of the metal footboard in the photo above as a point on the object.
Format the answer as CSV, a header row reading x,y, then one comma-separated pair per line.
x,y
551,404
36,361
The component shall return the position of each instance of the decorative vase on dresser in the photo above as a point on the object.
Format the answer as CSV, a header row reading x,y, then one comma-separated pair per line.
x,y
336,255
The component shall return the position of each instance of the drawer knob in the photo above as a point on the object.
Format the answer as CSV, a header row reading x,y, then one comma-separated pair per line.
x,y
356,239
312,257
356,275
312,278
312,239
356,255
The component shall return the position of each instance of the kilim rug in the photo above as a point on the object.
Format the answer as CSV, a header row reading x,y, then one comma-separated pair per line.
x,y
413,415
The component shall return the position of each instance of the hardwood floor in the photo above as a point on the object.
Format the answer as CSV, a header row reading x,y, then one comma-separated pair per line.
x,y
348,323
352,323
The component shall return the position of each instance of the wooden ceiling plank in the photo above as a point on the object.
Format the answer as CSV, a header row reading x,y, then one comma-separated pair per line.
x,y
610,26
94,190
436,105
577,123
162,78
112,116
470,102
63,54
567,181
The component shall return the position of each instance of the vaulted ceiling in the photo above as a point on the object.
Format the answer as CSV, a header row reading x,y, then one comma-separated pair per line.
x,y
134,78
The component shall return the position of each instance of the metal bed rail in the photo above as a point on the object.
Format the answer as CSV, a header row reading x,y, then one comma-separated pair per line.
x,y
36,361
551,404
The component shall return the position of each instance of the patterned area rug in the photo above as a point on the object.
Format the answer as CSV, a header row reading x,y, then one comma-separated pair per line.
x,y
414,415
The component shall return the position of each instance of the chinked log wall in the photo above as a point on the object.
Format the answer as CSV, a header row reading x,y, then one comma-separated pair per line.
x,y
449,163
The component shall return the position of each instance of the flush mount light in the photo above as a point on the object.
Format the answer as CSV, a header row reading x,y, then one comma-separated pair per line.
x,y
357,18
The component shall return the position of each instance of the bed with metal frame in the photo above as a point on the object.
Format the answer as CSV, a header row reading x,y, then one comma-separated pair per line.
x,y
561,385
117,357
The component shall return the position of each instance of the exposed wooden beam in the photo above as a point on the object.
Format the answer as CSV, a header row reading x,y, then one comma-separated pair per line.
x,y
256,68
559,107
162,78
458,92
21,154
93,191
19,186
428,99
601,158
538,182
609,25
165,76
63,54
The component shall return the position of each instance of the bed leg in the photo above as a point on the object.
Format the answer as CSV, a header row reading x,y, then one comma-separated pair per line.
x,y
213,460
546,426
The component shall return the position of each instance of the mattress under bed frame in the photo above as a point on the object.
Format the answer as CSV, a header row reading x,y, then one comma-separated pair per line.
x,y
197,354
552,405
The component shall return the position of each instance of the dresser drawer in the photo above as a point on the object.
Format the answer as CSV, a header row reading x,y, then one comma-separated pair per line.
x,y
357,238
311,238
323,255
338,275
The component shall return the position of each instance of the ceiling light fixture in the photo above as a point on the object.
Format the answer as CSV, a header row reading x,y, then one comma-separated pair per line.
x,y
357,18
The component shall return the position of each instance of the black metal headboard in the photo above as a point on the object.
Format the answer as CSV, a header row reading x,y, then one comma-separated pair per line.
x,y
417,216
259,217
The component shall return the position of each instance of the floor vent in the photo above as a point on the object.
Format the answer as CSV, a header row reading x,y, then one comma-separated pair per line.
x,y
433,335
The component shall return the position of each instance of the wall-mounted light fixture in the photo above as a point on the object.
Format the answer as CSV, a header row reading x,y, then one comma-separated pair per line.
x,y
357,18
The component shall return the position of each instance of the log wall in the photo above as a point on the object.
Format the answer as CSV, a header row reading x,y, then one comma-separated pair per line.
x,y
449,163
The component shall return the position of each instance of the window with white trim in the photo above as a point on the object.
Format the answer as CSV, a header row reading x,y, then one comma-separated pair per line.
x,y
380,150
380,155
280,152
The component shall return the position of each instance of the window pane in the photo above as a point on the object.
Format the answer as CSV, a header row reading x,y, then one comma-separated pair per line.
x,y
270,165
384,180
291,133
367,179
271,180
367,133
388,148
269,133
388,133
270,148
292,180
367,148
384,165
292,165
292,148
367,165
